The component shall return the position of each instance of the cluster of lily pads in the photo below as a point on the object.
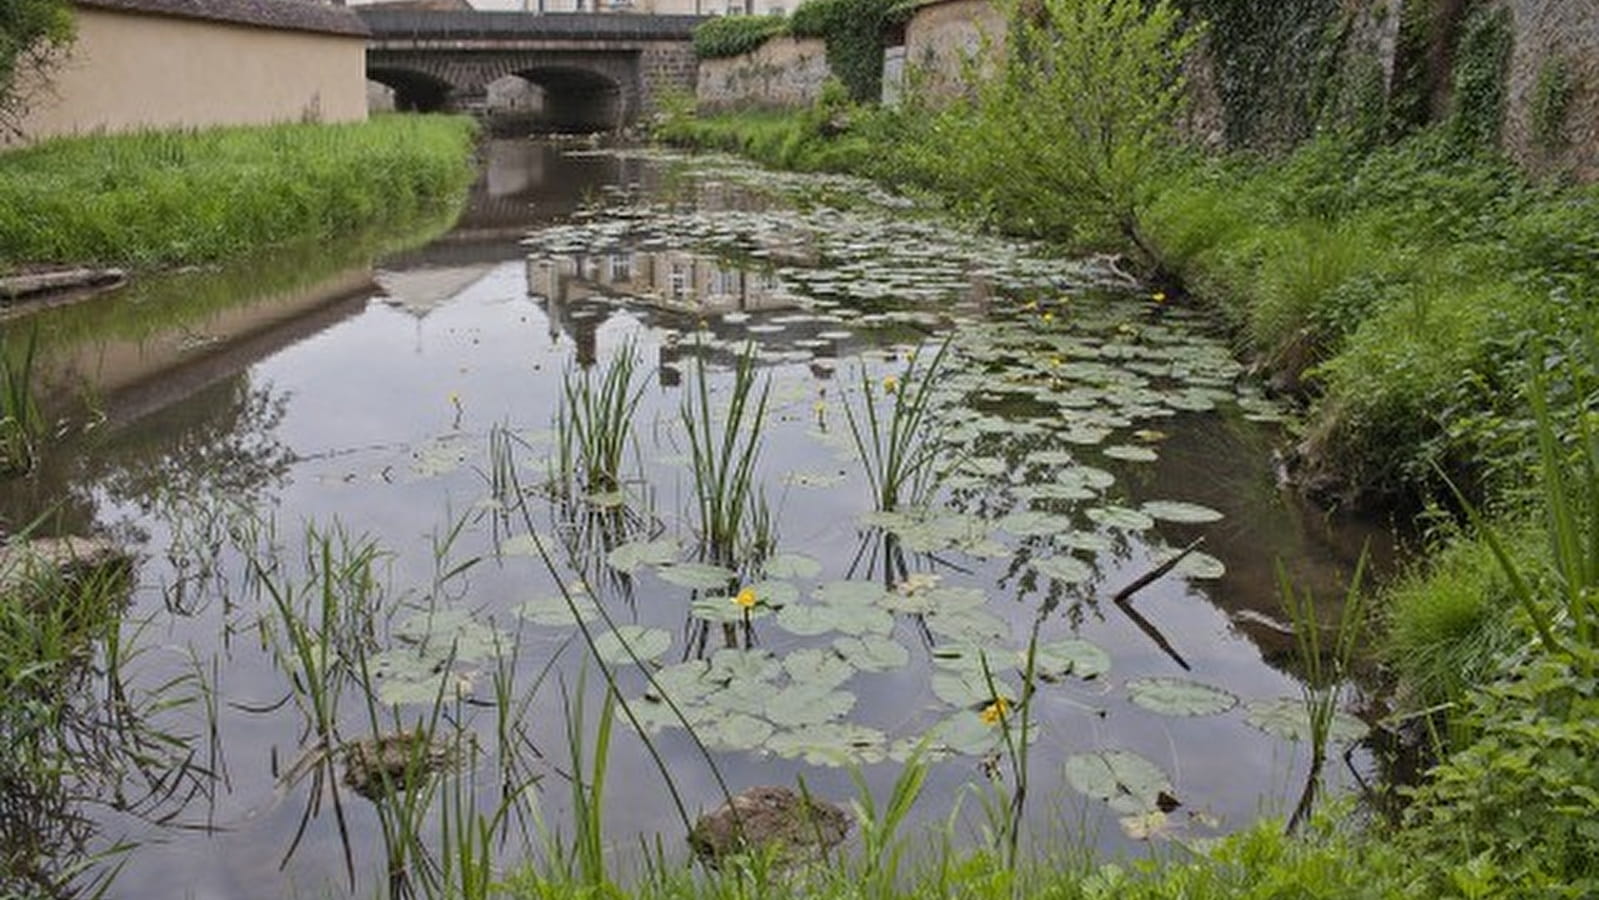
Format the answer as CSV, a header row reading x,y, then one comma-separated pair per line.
x,y
1060,380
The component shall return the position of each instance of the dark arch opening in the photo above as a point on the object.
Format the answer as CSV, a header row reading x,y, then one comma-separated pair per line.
x,y
576,100
414,91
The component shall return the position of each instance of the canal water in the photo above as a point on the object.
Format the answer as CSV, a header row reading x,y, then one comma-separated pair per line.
x,y
340,471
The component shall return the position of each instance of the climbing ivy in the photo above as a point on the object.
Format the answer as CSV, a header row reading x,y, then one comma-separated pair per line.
x,y
1477,107
1269,64
853,30
1551,103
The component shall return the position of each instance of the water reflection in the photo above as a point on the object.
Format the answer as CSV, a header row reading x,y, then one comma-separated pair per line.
x,y
410,402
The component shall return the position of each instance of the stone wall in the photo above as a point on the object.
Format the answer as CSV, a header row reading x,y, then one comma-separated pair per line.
x,y
784,72
130,69
1546,31
665,67
944,38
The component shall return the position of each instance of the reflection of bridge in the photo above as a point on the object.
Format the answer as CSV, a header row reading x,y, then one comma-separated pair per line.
x,y
596,71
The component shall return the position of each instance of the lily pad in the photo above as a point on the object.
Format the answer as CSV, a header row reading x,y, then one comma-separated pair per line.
x,y
968,688
872,653
1179,697
647,643
792,565
554,611
804,704
1288,719
729,665
1064,569
1130,453
850,593
1178,511
696,576
1033,524
684,682
812,619
974,626
830,744
630,556
1125,518
818,667
735,731
1201,565
1131,784
1070,656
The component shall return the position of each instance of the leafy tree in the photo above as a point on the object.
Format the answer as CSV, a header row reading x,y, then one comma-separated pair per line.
x,y
1064,137
33,34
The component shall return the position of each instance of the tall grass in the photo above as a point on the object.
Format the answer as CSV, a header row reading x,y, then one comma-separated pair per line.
x,y
167,198
1326,668
723,450
1566,612
594,423
900,450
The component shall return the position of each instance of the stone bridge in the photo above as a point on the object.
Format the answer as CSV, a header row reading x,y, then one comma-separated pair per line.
x,y
592,71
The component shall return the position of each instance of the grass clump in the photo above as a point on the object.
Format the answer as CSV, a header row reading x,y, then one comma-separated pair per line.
x,y
172,198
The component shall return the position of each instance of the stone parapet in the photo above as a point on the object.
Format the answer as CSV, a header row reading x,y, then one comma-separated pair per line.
x,y
784,72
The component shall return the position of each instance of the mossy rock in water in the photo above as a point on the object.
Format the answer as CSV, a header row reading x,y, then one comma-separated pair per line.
x,y
373,766
772,820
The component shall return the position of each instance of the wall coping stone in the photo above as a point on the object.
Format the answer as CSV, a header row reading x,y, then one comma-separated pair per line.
x,y
287,15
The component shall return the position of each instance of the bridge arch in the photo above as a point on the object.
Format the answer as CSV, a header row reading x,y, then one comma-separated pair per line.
x,y
414,90
594,71
577,99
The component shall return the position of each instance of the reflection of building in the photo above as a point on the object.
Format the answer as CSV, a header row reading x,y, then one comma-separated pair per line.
x,y
673,278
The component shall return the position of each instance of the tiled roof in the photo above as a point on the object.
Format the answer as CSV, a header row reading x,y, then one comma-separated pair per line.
x,y
292,15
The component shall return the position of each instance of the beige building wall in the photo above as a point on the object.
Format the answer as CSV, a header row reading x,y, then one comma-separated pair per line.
x,y
133,70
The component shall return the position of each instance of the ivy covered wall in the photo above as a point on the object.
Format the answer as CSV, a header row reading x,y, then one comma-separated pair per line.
x,y
1517,75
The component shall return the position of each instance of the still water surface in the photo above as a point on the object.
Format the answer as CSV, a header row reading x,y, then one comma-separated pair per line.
x,y
1091,431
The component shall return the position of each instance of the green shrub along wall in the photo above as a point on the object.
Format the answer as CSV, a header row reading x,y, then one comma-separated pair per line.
x,y
736,35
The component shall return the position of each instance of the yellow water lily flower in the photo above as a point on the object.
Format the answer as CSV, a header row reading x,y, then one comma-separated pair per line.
x,y
1158,296
890,383
996,711
746,598
1049,317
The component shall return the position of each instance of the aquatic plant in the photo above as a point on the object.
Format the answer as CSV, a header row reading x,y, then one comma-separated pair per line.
x,y
899,451
723,452
1326,669
594,422
20,420
77,730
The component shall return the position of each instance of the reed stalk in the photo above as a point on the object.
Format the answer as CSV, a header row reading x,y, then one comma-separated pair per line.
x,y
899,450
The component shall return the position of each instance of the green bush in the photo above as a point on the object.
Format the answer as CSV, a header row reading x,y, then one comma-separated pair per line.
x,y
1516,812
164,198
736,35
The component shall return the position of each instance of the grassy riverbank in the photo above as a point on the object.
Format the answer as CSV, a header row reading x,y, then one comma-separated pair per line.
x,y
176,198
